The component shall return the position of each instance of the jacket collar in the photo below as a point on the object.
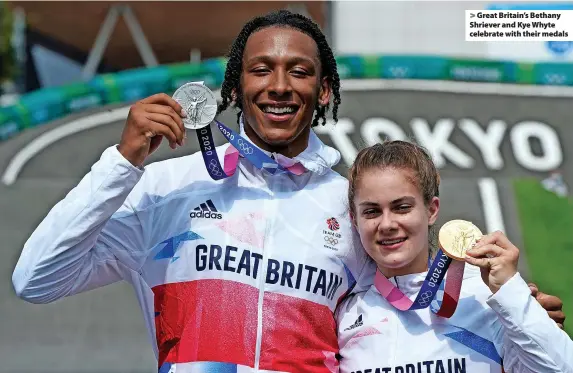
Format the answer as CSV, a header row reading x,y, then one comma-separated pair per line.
x,y
317,157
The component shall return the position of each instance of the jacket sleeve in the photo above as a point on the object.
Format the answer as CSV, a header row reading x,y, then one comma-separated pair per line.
x,y
87,240
530,341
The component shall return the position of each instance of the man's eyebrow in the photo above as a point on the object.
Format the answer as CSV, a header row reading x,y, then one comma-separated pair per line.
x,y
293,59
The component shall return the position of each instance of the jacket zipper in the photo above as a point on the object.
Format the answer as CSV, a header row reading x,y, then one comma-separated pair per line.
x,y
270,207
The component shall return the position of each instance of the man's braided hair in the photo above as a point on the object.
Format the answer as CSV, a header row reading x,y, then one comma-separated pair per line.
x,y
281,18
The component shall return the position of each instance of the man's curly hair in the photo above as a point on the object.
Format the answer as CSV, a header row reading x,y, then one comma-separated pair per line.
x,y
281,18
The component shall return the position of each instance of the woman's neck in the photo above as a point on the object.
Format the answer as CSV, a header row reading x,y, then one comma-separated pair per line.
x,y
418,265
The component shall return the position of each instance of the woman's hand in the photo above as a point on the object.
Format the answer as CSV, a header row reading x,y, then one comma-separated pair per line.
x,y
497,258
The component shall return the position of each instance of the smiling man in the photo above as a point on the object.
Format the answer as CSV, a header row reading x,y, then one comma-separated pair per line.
x,y
284,80
254,286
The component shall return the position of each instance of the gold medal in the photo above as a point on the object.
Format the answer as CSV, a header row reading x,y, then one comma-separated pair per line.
x,y
456,237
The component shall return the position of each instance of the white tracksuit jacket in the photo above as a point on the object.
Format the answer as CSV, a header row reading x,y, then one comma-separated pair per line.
x,y
374,337
237,275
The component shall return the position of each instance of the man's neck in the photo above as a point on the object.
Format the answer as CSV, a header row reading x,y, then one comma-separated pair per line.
x,y
290,150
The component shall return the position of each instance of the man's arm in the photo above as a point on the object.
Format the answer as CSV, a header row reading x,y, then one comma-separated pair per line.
x,y
552,304
93,236
71,250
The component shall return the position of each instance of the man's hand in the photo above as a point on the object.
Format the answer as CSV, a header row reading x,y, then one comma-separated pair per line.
x,y
148,122
552,304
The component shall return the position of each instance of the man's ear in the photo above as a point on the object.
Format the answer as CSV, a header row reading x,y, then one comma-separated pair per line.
x,y
325,91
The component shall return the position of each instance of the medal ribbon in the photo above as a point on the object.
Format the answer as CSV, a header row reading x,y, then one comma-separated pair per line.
x,y
432,284
241,146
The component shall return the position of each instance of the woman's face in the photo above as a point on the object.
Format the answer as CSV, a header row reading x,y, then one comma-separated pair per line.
x,y
392,220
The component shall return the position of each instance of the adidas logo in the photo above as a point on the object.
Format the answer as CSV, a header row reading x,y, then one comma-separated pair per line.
x,y
206,210
356,324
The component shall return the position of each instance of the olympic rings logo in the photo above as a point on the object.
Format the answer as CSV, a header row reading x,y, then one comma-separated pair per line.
x,y
425,298
214,168
246,148
330,240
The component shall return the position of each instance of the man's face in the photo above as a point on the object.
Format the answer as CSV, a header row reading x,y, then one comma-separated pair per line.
x,y
281,86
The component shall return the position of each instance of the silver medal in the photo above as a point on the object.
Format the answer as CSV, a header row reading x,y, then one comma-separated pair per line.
x,y
198,102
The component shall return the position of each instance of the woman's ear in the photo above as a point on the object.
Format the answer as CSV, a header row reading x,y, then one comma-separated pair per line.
x,y
353,219
433,210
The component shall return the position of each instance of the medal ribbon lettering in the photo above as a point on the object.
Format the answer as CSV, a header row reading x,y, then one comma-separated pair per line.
x,y
243,147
